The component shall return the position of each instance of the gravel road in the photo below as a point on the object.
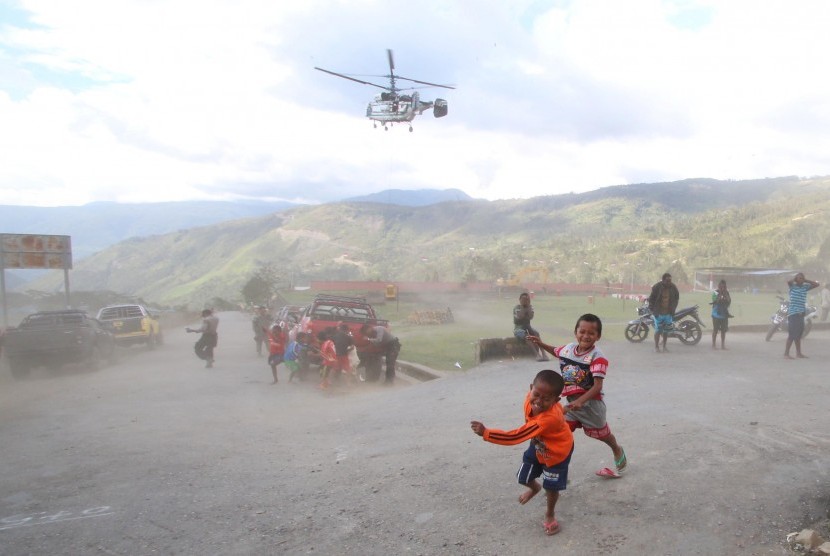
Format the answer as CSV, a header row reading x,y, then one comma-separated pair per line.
x,y
728,453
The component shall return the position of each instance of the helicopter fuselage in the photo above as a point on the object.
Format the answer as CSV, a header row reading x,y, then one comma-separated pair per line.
x,y
388,107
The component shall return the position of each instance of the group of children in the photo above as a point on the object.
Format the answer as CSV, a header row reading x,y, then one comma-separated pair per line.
x,y
549,425
336,345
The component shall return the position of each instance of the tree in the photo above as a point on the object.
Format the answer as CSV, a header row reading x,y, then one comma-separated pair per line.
x,y
261,286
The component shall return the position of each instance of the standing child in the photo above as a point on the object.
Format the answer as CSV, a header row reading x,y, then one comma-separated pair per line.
x,y
720,314
583,369
291,355
551,443
343,347
329,354
276,348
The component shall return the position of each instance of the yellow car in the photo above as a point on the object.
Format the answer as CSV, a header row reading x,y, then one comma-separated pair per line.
x,y
131,324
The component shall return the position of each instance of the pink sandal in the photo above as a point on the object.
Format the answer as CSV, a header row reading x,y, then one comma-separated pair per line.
x,y
551,527
609,473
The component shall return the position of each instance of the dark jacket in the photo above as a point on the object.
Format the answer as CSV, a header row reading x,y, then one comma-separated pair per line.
x,y
657,293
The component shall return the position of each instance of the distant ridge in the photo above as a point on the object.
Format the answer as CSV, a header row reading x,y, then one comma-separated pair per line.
x,y
412,198
96,226
623,234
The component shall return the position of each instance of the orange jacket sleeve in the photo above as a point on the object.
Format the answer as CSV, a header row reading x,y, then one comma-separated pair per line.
x,y
526,432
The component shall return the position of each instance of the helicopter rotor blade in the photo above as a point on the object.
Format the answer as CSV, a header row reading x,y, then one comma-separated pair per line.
x,y
391,61
352,78
424,82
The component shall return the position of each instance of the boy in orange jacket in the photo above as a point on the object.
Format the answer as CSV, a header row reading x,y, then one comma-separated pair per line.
x,y
551,443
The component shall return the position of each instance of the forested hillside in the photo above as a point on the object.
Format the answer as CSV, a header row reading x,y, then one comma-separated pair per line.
x,y
614,234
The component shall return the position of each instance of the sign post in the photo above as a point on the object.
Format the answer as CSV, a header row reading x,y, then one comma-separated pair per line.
x,y
34,251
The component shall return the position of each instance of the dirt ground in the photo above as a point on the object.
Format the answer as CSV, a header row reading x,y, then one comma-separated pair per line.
x,y
728,453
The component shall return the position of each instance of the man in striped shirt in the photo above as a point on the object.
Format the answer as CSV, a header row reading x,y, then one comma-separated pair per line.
x,y
799,286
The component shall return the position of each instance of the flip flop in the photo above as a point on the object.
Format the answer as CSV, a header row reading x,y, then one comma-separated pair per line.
x,y
551,527
609,473
622,462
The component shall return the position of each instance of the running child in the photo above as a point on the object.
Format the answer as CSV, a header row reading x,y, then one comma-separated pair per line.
x,y
583,368
551,443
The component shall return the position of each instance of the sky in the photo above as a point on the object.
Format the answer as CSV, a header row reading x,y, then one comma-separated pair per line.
x,y
173,100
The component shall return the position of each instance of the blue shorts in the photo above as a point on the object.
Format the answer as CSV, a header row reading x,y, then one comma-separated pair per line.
x,y
662,323
553,478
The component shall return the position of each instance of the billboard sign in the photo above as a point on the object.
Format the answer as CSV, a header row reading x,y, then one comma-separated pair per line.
x,y
35,251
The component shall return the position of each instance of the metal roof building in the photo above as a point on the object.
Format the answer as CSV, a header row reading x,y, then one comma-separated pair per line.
x,y
747,279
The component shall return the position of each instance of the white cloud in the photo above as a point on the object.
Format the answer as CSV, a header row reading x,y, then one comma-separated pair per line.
x,y
173,99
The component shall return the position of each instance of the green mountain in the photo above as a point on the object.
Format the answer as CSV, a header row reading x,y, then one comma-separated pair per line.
x,y
613,234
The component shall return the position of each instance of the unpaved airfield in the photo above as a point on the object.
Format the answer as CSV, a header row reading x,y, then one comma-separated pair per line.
x,y
729,451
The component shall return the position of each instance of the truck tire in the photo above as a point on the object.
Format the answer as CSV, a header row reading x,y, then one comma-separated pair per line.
x,y
93,361
19,369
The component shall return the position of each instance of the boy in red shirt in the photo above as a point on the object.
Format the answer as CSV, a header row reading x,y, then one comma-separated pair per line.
x,y
551,443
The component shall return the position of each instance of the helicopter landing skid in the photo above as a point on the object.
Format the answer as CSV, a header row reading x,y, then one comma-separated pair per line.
x,y
386,127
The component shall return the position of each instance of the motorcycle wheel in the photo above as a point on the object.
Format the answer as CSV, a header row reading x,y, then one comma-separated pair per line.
x,y
772,330
636,332
691,333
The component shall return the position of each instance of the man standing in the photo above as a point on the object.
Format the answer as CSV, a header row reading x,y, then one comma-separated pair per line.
x,y
390,346
663,303
261,323
799,286
210,338
522,315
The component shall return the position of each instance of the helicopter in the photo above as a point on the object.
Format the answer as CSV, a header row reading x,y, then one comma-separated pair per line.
x,y
390,106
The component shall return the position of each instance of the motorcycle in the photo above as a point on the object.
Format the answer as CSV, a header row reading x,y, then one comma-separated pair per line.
x,y
780,321
687,326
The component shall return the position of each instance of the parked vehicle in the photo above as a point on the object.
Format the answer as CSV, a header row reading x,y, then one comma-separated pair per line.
x,y
780,321
330,310
132,324
290,314
687,326
54,338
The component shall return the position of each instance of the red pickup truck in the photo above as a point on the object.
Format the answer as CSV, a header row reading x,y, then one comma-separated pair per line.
x,y
330,310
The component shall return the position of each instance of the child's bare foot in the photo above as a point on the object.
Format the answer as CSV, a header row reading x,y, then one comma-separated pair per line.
x,y
532,490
